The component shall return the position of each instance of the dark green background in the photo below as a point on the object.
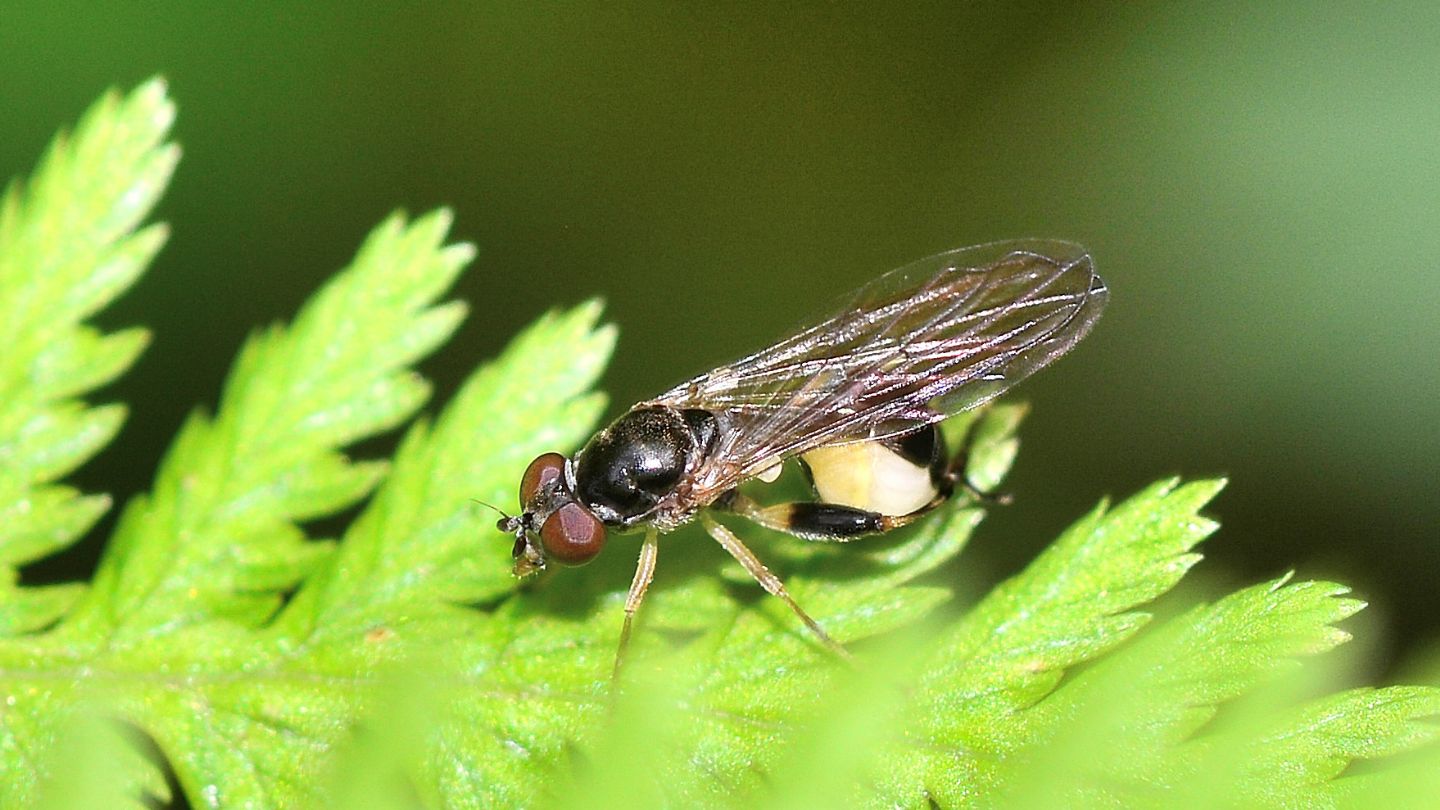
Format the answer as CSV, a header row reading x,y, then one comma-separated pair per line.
x,y
1259,183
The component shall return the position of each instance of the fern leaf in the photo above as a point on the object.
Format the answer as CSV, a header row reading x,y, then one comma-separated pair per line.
x,y
68,247
163,632
218,536
1133,726
414,544
402,666
1074,602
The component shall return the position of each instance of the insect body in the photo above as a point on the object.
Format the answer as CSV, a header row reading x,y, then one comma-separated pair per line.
x,y
857,398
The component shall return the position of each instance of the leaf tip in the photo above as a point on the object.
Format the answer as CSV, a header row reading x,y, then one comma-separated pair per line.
x,y
589,310
435,223
460,253
1349,607
154,89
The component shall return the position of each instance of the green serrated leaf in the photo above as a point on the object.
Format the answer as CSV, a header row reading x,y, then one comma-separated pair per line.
x,y
267,459
46,521
68,246
402,665
90,359
1071,604
24,610
1127,727
212,549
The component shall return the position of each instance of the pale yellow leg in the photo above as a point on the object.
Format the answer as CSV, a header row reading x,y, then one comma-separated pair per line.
x,y
768,580
644,572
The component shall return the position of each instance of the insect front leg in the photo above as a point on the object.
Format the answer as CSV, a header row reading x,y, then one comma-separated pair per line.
x,y
644,573
768,580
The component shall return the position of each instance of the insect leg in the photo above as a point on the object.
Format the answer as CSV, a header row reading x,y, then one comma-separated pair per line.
x,y
817,520
957,472
644,572
768,580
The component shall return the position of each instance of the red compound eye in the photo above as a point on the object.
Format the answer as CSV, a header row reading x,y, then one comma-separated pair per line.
x,y
572,535
541,471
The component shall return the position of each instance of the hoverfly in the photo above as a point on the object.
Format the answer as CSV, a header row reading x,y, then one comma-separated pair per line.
x,y
857,398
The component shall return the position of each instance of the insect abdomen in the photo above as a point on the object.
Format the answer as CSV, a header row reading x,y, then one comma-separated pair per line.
x,y
872,477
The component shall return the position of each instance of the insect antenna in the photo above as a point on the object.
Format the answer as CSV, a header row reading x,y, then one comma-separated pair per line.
x,y
507,523
497,510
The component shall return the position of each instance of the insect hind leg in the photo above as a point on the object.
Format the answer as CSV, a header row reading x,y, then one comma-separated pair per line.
x,y
956,473
825,522
769,581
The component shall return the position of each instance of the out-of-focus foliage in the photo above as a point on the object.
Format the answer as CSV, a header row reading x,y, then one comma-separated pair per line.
x,y
400,665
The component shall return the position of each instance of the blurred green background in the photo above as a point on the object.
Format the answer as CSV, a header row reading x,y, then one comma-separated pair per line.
x,y
1259,184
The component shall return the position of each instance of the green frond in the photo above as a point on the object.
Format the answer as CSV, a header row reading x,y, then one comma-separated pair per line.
x,y
68,247
416,543
218,536
401,665
1140,721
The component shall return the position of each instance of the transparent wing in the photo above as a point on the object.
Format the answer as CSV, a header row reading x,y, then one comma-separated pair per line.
x,y
930,339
